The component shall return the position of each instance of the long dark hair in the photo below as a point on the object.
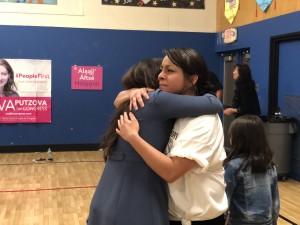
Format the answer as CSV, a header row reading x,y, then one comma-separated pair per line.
x,y
142,74
245,75
10,85
191,62
248,139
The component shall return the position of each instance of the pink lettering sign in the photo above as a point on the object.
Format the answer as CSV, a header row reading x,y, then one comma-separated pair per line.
x,y
87,77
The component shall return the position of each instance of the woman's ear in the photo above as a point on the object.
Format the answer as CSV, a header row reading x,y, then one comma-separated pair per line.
x,y
194,79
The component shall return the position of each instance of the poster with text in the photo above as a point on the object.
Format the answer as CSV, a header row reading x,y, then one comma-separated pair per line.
x,y
25,91
86,77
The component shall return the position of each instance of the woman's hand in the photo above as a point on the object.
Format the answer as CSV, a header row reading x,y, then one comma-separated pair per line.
x,y
229,111
128,127
136,97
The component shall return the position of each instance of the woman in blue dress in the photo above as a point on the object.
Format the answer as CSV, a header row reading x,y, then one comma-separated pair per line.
x,y
129,191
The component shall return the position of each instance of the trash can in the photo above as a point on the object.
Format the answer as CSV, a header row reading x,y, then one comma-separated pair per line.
x,y
279,132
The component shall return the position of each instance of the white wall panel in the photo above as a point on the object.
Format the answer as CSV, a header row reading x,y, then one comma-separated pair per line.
x,y
92,14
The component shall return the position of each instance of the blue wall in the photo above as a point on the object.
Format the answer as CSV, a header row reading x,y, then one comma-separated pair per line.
x,y
257,36
81,117
288,71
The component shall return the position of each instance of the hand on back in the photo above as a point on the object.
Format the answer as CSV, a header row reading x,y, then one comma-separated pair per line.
x,y
128,126
136,97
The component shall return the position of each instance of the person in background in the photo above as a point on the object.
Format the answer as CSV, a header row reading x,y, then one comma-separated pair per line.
x,y
7,84
217,87
250,174
129,192
245,100
192,163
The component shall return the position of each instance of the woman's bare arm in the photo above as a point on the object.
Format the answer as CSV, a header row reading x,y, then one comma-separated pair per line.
x,y
123,96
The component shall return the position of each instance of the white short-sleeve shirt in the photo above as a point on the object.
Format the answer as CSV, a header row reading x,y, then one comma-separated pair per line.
x,y
200,193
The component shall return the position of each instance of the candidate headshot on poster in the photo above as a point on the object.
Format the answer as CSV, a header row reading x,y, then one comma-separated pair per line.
x,y
7,84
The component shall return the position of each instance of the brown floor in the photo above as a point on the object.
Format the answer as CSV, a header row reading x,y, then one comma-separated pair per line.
x,y
59,192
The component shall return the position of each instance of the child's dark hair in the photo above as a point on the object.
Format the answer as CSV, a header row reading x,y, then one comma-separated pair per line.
x,y
248,139
142,74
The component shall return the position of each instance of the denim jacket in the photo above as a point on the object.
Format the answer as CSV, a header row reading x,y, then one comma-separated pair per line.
x,y
252,198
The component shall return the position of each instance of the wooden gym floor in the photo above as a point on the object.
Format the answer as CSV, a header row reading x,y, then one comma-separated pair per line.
x,y
60,192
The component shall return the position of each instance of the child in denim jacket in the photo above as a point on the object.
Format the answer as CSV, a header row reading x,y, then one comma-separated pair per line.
x,y
250,175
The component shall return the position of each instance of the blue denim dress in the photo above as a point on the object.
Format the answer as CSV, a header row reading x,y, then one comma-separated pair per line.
x,y
253,198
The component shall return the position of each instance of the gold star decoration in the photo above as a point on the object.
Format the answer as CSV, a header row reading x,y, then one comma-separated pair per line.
x,y
192,3
117,1
154,3
174,4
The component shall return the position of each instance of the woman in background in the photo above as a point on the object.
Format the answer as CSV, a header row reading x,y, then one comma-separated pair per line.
x,y
7,83
250,175
245,100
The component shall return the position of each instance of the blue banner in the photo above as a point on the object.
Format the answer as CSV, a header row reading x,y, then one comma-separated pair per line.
x,y
264,4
